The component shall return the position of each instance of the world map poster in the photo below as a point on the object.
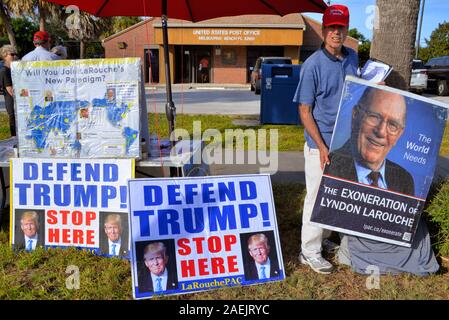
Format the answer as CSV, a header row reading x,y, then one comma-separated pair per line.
x,y
78,108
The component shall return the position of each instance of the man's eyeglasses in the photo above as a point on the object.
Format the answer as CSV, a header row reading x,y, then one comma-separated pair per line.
x,y
13,54
374,119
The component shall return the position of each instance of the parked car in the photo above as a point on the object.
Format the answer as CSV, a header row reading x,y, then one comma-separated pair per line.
x,y
418,82
438,75
256,72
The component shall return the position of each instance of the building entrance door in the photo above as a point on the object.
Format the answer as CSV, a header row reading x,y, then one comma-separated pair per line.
x,y
203,63
152,65
193,64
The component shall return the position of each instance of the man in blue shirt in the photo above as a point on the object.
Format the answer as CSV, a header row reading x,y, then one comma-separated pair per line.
x,y
260,266
41,40
318,95
157,277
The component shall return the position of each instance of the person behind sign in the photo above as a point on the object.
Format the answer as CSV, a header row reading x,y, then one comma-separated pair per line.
x,y
157,277
30,239
378,121
318,95
261,266
204,69
8,54
116,245
42,42
60,51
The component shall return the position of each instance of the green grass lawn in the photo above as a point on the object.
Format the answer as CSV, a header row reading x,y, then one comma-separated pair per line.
x,y
290,137
42,274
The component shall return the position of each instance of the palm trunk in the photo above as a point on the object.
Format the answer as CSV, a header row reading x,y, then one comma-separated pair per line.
x,y
7,23
82,49
42,16
394,39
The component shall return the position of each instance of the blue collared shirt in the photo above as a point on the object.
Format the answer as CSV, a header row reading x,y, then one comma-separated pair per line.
x,y
34,242
267,270
320,86
164,279
363,172
117,246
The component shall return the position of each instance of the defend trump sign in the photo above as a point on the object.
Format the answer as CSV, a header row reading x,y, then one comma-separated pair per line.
x,y
64,203
194,234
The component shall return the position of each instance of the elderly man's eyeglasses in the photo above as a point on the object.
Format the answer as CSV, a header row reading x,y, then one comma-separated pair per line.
x,y
13,54
374,119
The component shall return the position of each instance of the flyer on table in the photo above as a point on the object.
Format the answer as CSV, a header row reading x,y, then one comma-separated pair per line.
x,y
79,203
382,156
201,233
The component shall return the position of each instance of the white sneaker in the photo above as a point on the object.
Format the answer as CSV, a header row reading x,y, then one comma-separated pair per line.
x,y
318,264
329,246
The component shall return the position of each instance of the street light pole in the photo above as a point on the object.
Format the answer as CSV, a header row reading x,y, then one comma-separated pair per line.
x,y
419,29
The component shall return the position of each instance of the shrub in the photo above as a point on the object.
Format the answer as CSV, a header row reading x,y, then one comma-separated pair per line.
x,y
438,213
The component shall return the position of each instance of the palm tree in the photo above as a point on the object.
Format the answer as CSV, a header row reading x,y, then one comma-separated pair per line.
x,y
86,27
6,19
34,8
394,39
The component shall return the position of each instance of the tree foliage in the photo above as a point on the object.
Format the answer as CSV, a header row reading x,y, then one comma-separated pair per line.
x,y
23,29
120,24
438,44
364,45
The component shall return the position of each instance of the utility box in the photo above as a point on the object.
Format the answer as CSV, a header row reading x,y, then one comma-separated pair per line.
x,y
279,82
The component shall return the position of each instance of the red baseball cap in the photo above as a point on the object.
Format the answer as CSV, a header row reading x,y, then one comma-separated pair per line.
x,y
336,14
41,37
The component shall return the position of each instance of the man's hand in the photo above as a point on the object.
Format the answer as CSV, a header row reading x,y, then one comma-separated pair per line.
x,y
324,157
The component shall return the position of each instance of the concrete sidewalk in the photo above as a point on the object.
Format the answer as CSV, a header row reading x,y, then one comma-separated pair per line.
x,y
291,168
200,86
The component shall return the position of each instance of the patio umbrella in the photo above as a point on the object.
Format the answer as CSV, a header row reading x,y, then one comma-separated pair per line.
x,y
192,10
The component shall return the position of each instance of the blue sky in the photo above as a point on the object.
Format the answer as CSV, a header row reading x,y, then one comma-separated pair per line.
x,y
435,12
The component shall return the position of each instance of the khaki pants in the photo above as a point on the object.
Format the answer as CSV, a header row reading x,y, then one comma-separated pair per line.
x,y
311,236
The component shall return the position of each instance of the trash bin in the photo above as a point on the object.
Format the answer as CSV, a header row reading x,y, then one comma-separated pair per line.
x,y
279,82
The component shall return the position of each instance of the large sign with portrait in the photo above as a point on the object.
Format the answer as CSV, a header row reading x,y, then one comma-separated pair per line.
x,y
78,108
382,161
71,203
195,234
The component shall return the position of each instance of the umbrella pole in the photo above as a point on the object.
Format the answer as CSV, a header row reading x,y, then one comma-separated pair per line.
x,y
170,109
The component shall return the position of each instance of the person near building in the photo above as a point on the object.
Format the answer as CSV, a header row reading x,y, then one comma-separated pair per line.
x,y
8,54
318,95
42,42
204,69
60,51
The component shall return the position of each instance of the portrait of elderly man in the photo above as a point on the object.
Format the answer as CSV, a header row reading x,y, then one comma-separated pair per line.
x,y
31,236
260,266
157,276
114,244
378,121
